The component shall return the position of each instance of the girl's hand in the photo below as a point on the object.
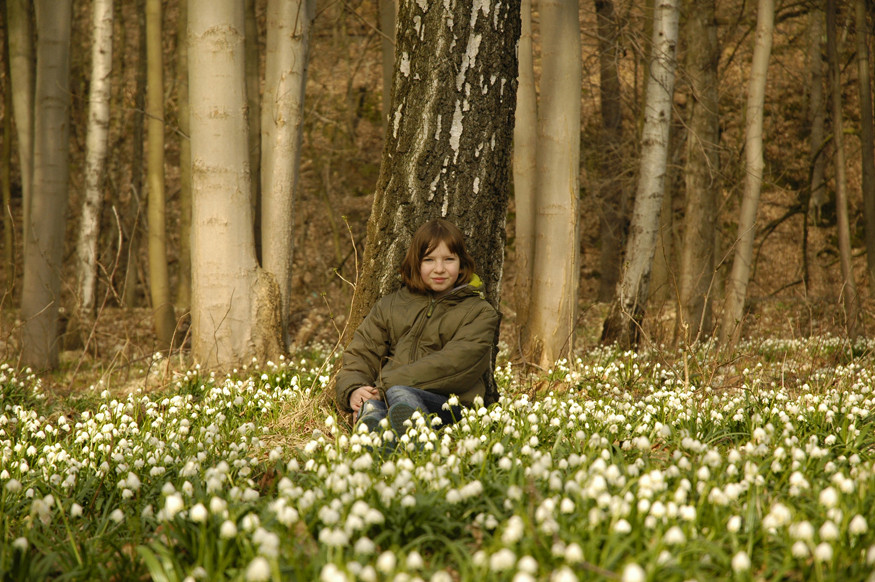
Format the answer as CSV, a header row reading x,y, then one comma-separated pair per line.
x,y
361,395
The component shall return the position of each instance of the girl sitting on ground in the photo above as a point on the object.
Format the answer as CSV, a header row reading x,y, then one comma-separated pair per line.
x,y
419,345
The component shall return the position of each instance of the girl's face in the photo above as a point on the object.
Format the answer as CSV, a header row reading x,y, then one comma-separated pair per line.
x,y
439,269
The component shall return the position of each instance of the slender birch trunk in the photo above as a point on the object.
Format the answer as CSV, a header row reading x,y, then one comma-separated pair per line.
x,y
95,156
702,172
159,276
736,288
627,310
20,35
816,111
525,142
288,40
849,287
44,246
6,187
867,137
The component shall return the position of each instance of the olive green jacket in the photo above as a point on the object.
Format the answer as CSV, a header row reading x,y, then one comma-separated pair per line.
x,y
442,345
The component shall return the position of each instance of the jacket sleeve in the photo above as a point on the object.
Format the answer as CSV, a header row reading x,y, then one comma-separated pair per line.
x,y
363,357
459,364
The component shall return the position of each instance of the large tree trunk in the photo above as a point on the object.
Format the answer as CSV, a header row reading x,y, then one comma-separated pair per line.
x,y
525,148
613,220
253,100
159,276
6,186
702,173
627,310
183,284
95,157
447,151
849,287
867,135
736,288
816,112
44,246
549,333
235,305
288,36
19,35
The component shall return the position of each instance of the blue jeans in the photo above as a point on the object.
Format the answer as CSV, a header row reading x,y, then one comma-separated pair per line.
x,y
373,411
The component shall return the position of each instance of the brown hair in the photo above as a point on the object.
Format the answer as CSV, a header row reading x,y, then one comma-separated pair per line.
x,y
425,240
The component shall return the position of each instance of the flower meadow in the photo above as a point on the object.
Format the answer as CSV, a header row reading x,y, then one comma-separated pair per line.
x,y
660,465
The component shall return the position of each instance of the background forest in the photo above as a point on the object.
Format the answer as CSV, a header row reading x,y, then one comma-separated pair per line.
x,y
796,279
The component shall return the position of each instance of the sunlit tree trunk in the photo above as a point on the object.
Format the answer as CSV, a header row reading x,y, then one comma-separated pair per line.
x,y
44,246
447,152
253,100
19,34
849,287
736,286
95,157
159,277
525,147
6,187
867,137
702,174
235,304
816,111
613,218
288,36
549,333
183,284
627,310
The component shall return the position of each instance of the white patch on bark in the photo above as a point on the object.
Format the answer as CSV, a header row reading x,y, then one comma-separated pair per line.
x,y
445,205
468,58
397,121
456,131
417,24
432,188
423,5
404,65
437,133
477,185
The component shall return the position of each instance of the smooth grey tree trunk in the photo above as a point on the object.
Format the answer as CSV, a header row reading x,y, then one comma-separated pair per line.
x,y
702,173
849,286
525,148
739,276
159,274
286,61
816,112
623,323
20,36
549,332
44,246
183,283
447,151
235,304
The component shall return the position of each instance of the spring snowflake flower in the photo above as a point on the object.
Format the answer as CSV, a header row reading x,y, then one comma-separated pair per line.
x,y
829,497
198,513
75,510
740,562
13,486
563,574
858,525
364,546
674,536
829,531
228,530
258,570
633,573
799,550
414,561
386,562
117,516
173,504
503,559
823,552
622,527
734,524
21,544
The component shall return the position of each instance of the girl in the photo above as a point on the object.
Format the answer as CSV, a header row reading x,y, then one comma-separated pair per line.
x,y
428,340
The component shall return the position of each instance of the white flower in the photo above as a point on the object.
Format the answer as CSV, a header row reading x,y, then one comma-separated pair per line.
x,y
829,531
622,527
823,552
513,531
75,510
386,562
829,497
674,536
117,516
20,544
633,573
573,553
528,564
414,561
258,570
858,525
364,546
228,530
501,560
734,524
13,486
740,562
799,550
173,504
198,513
563,574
